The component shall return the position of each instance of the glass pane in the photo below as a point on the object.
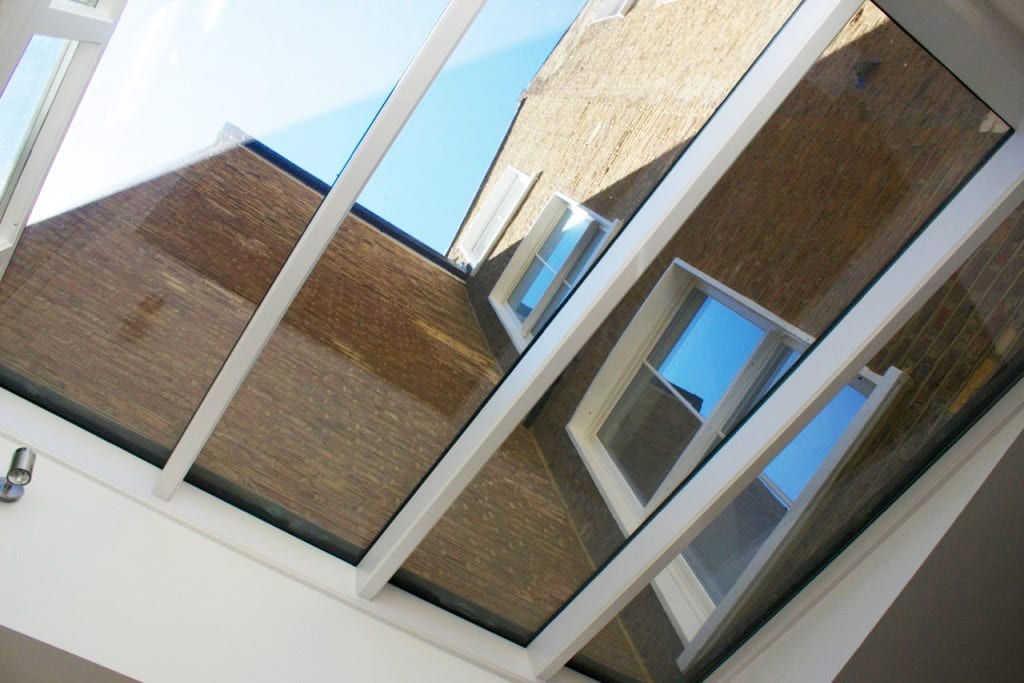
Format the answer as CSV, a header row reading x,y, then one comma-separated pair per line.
x,y
177,195
21,105
380,360
646,431
585,259
865,166
530,289
724,549
784,360
717,558
564,237
788,360
791,469
961,352
705,359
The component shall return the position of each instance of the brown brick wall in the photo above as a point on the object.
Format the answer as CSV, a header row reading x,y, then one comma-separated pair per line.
x,y
613,107
839,179
129,305
376,367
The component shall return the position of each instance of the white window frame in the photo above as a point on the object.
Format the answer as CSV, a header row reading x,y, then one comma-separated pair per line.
x,y
88,29
36,122
496,212
687,603
612,9
600,228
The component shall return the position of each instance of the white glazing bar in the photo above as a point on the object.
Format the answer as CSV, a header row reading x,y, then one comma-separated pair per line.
x,y
44,148
70,89
15,17
960,228
775,73
20,19
318,234
75,21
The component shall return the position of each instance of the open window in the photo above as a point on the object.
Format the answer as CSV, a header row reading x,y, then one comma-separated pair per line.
x,y
23,107
495,213
694,361
549,262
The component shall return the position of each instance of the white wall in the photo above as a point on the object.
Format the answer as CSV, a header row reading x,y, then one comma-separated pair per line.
x,y
96,573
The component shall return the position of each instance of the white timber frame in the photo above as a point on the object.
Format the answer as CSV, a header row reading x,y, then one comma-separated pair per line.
x,y
611,9
408,92
502,204
962,225
631,352
89,30
600,230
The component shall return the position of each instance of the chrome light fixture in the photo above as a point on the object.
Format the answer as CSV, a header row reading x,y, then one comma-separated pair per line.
x,y
12,487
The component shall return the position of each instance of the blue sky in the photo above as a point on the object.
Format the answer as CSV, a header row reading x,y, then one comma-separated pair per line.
x,y
793,468
305,78
23,96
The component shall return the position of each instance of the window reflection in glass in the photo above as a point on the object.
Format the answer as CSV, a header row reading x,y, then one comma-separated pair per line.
x,y
705,359
724,549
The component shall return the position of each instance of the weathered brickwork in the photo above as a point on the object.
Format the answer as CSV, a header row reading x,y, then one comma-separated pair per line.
x,y
128,306
114,305
613,107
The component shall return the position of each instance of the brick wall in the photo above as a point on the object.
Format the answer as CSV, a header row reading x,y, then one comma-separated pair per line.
x,y
127,306
613,107
376,367
124,309
841,177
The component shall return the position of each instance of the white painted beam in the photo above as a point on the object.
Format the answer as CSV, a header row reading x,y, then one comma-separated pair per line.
x,y
385,128
74,21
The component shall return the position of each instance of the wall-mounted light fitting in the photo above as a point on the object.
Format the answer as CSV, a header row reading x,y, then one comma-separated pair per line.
x,y
12,487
